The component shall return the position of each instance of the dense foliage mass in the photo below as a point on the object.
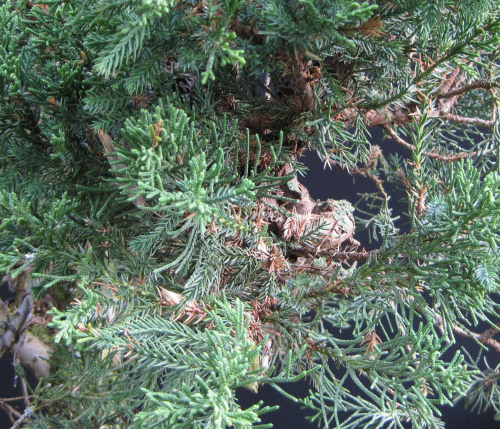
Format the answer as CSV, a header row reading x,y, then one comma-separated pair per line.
x,y
162,250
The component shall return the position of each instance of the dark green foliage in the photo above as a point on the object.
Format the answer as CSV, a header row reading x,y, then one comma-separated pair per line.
x,y
148,157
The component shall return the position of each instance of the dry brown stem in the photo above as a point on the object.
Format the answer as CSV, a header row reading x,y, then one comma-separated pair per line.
x,y
483,337
366,170
445,99
11,412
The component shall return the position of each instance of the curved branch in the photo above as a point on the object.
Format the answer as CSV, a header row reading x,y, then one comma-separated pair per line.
x,y
452,157
482,84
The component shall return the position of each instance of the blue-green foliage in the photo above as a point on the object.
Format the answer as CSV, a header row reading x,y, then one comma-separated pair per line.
x,y
180,172
147,149
10,62
312,25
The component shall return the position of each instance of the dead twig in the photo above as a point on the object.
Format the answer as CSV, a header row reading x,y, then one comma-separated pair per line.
x,y
364,171
24,389
451,80
483,337
26,414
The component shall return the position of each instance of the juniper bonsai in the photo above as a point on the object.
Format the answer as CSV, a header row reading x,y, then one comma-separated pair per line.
x,y
160,245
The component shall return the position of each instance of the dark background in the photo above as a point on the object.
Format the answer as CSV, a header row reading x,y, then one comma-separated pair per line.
x,y
322,184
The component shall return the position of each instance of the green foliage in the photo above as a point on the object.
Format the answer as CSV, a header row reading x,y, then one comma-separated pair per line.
x,y
216,372
9,70
148,157
483,392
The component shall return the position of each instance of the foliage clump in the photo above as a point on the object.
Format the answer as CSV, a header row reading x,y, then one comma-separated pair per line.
x,y
150,207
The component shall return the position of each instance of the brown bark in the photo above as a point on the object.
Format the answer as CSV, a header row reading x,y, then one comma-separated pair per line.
x,y
30,350
331,221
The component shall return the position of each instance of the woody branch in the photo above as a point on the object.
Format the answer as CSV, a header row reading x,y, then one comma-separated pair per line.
x,y
445,99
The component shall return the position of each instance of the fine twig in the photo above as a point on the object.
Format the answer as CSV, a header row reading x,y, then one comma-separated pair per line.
x,y
16,398
11,412
451,80
466,120
27,413
364,171
405,113
390,132
482,84
24,388
446,104
485,337
442,157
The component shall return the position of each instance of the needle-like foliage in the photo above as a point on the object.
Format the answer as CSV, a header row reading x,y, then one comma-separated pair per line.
x,y
149,198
